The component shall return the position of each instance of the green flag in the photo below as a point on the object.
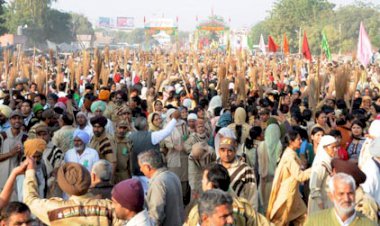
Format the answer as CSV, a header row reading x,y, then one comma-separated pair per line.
x,y
325,46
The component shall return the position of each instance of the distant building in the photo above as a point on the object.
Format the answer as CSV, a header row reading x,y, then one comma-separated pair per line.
x,y
85,41
11,39
102,39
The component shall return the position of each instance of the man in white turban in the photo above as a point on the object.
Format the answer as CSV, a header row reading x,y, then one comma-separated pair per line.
x,y
81,153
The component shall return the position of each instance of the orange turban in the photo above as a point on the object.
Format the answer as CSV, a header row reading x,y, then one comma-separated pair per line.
x,y
104,95
31,146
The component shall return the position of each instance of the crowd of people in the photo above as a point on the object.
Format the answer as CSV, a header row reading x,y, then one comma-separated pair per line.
x,y
189,138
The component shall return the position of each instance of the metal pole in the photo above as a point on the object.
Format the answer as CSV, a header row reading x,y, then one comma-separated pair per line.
x,y
299,41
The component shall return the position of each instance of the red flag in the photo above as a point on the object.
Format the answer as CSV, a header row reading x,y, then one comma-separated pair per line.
x,y
305,48
285,45
144,20
272,46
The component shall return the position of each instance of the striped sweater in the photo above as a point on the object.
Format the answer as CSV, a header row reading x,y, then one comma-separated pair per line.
x,y
243,181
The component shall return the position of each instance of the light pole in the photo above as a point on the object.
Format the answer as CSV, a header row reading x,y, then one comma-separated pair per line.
x,y
299,32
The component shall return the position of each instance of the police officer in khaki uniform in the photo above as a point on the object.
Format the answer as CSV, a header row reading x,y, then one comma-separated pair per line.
x,y
123,152
80,209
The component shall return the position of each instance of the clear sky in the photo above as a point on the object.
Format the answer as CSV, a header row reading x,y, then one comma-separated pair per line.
x,y
243,13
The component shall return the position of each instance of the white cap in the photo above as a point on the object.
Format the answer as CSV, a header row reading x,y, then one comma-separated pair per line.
x,y
192,116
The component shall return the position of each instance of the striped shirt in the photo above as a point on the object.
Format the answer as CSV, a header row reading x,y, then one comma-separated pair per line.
x,y
105,147
243,181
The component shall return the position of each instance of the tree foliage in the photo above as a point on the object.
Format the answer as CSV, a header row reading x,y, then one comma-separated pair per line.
x,y
80,25
3,28
341,25
44,23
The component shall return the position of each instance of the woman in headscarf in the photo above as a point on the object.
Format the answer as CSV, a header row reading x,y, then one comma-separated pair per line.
x,y
320,174
154,122
215,102
159,108
240,127
269,153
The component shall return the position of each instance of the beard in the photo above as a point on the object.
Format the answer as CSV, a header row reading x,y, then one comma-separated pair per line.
x,y
342,210
79,148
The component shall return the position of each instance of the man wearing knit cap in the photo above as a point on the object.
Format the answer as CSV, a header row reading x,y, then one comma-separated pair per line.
x,y
128,202
243,180
82,154
102,141
80,209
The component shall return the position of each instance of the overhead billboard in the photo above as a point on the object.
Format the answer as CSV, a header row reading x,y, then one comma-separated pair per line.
x,y
125,22
104,22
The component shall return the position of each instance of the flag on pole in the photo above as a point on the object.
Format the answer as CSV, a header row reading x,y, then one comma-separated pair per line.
x,y
364,51
262,44
285,45
305,48
272,46
325,46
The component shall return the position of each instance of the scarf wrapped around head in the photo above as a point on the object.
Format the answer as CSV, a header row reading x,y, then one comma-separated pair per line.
x,y
169,113
73,179
215,102
31,146
240,116
98,105
152,127
5,110
321,155
224,120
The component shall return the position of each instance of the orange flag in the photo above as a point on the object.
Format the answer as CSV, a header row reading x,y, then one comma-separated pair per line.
x,y
285,45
